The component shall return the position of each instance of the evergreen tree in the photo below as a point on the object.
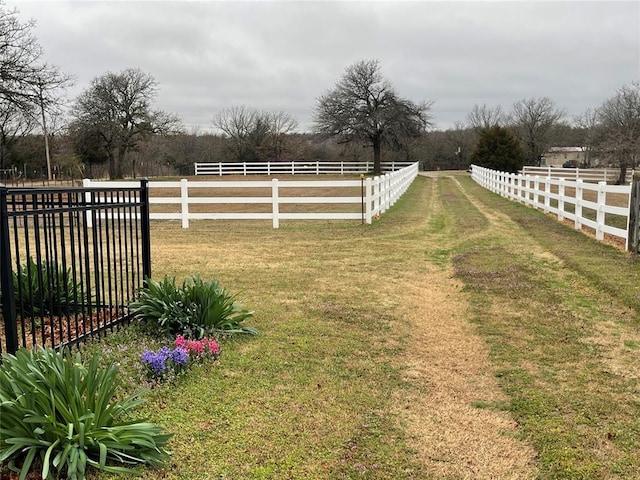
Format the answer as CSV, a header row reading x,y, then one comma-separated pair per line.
x,y
499,150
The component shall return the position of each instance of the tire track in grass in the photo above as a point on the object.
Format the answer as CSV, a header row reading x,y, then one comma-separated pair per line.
x,y
565,345
448,366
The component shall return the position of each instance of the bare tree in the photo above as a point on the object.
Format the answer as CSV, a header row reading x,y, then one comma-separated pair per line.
x,y
117,109
482,117
26,82
461,141
238,123
14,123
281,125
364,107
254,134
533,120
587,125
619,118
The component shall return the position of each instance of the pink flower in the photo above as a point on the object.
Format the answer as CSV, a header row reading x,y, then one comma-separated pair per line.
x,y
213,346
197,348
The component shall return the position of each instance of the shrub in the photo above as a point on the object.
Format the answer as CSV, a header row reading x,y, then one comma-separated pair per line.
x,y
55,409
46,289
195,309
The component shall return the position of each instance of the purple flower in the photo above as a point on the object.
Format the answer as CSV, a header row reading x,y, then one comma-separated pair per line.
x,y
180,356
155,361
164,352
148,356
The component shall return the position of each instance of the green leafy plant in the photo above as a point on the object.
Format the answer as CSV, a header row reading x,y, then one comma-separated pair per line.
x,y
46,288
63,413
194,309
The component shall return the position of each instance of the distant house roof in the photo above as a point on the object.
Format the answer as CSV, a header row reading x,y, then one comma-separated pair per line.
x,y
565,149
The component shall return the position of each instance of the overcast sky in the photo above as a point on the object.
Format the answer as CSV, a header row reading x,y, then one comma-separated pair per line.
x,y
281,56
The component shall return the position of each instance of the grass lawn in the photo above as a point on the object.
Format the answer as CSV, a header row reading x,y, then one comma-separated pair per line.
x,y
460,336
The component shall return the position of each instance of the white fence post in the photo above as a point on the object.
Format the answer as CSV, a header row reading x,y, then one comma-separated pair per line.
x,y
530,191
520,185
368,197
184,201
86,183
561,188
578,210
387,192
600,216
547,194
274,203
376,194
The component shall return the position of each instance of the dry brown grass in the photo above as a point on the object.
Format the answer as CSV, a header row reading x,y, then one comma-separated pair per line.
x,y
455,439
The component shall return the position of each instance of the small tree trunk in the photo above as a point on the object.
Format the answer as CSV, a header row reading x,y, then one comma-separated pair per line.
x,y
623,174
118,163
377,167
113,159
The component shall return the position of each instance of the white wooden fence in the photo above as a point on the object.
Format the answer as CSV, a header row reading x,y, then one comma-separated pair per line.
x,y
586,204
377,195
609,175
293,168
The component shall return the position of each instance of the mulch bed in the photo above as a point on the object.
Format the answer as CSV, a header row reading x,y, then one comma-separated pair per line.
x,y
52,331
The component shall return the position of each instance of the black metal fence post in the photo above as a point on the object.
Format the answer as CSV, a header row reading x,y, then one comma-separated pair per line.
x,y
6,279
146,230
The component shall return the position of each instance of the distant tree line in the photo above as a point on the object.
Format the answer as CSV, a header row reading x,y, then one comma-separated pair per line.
x,y
113,130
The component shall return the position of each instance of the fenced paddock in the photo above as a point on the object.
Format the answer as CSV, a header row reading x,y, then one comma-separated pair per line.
x,y
71,260
275,199
601,207
609,175
293,168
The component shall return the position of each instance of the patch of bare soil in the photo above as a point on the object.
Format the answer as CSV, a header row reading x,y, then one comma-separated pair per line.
x,y
449,366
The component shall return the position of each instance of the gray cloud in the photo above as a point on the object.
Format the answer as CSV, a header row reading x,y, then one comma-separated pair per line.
x,y
283,55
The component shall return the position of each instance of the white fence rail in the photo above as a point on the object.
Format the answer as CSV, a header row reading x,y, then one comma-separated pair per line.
x,y
293,168
586,204
609,175
376,196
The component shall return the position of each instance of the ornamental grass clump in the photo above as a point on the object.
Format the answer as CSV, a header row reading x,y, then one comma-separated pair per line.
x,y
166,364
195,309
46,288
61,414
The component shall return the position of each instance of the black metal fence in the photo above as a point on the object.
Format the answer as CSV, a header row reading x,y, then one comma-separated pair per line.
x,y
71,260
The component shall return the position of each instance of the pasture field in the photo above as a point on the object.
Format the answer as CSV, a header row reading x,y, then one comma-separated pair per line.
x,y
461,336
